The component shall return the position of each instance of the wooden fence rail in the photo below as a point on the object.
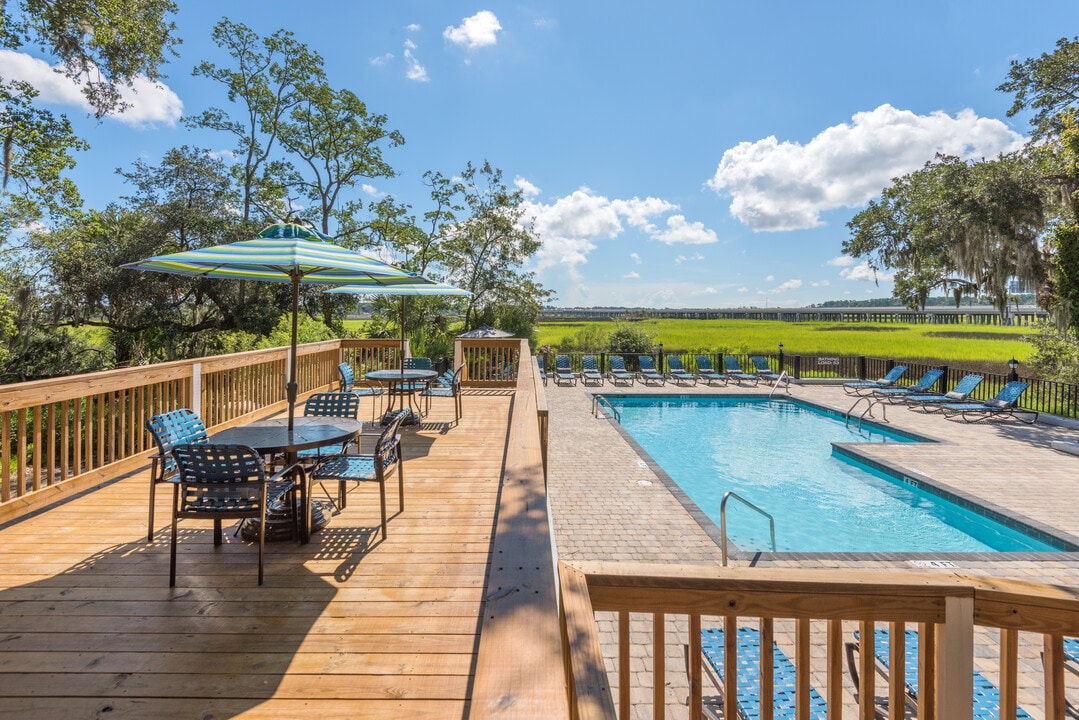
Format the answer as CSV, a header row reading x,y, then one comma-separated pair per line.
x,y
814,611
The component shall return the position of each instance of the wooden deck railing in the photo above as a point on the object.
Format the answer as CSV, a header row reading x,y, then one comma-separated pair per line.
x,y
76,431
812,607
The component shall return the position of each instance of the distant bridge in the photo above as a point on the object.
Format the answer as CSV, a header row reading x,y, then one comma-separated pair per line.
x,y
937,315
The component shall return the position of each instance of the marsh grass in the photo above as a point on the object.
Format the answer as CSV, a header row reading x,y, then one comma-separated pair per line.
x,y
969,344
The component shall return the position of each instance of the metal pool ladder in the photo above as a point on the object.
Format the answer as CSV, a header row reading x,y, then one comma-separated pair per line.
x,y
598,400
723,520
870,402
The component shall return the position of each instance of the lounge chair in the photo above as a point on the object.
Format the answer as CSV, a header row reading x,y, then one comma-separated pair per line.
x,y
677,371
648,373
931,402
1002,405
542,365
896,394
736,373
866,387
706,372
986,694
749,657
765,372
590,374
562,371
618,373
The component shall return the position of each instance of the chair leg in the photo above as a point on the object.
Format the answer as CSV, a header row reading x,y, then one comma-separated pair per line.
x,y
262,532
172,554
382,500
217,531
153,493
400,481
341,492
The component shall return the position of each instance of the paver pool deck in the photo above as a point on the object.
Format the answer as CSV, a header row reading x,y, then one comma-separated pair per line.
x,y
608,503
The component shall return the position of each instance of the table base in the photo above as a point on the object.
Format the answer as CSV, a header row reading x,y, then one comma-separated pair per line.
x,y
279,522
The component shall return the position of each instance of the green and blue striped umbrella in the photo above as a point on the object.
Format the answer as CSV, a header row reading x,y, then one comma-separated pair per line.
x,y
423,287
284,252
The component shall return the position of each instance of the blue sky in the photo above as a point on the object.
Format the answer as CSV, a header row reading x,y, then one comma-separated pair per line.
x,y
682,154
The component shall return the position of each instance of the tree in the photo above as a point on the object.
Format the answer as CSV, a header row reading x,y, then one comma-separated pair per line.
x,y
102,44
1048,84
270,78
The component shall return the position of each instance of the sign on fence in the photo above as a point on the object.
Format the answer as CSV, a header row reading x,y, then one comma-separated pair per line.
x,y
828,361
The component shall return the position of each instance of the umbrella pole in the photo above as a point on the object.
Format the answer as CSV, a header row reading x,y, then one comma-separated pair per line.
x,y
292,386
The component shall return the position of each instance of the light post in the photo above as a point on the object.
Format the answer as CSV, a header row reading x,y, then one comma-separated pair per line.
x,y
780,357
1013,367
660,359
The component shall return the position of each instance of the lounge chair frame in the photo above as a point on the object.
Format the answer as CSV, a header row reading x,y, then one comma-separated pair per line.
x,y
867,387
590,374
677,372
618,375
706,372
924,385
1003,405
932,402
562,371
649,374
735,372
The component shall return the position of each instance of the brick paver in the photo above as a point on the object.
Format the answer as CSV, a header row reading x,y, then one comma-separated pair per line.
x,y
607,504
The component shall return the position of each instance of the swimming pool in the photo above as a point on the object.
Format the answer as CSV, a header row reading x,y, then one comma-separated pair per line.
x,y
778,455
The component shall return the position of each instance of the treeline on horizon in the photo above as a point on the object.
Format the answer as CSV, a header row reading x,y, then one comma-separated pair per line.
x,y
1022,298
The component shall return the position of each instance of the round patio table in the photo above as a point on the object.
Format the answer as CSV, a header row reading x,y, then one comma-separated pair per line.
x,y
396,382
268,437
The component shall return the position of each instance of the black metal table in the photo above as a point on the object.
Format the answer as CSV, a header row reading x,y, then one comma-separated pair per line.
x,y
395,382
268,437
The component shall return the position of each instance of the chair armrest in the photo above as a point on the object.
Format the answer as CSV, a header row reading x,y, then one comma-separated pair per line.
x,y
290,470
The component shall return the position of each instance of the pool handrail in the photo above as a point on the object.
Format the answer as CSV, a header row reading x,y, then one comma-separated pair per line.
x,y
723,520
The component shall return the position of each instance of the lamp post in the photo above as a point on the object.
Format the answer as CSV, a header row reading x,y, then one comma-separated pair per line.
x,y
1013,367
660,360
781,357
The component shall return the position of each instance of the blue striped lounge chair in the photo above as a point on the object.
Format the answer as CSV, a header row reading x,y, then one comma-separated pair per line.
x,y
562,371
867,387
706,372
986,694
748,687
736,373
896,394
932,402
648,373
1003,404
542,365
618,373
677,371
764,371
590,374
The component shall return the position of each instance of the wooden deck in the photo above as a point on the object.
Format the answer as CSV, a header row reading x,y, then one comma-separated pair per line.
x,y
347,626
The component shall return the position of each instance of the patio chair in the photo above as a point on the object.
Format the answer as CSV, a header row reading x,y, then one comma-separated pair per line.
x,y
364,389
229,482
866,387
562,371
749,671
932,402
1004,404
736,373
590,374
542,365
986,694
368,468
897,394
328,404
176,427
764,371
618,373
447,388
1071,654
706,372
677,371
648,373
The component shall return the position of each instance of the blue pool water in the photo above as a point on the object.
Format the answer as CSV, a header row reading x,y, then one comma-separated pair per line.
x,y
777,454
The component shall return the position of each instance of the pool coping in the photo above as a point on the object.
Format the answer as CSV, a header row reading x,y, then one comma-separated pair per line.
x,y
1040,531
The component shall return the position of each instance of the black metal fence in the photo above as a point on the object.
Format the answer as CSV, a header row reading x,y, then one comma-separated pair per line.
x,y
1044,396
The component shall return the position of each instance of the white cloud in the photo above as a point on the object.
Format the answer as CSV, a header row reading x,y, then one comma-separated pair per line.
x,y
381,59
635,257
632,275
415,71
863,273
786,185
696,257
770,278
789,285
372,191
742,290
842,261
150,103
477,31
570,227
413,27
679,231
820,283
527,188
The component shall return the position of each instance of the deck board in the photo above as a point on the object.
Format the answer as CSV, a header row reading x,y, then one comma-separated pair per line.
x,y
346,626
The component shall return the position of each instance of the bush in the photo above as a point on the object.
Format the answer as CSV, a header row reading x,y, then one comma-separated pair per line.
x,y
1056,354
630,340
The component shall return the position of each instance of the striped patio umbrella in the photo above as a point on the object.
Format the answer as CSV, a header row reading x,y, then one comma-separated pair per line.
x,y
284,252
426,287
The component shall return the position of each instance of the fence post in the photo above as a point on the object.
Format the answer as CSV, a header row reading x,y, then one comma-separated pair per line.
x,y
942,384
797,359
861,367
955,659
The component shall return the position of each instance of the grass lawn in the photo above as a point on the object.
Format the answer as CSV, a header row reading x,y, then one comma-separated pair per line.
x,y
943,343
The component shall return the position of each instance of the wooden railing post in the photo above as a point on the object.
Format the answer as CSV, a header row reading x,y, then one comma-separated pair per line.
x,y
196,389
955,659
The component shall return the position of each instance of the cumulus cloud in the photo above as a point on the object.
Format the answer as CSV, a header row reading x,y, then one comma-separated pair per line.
x,y
150,103
864,273
842,261
570,227
372,191
679,231
632,275
697,257
789,285
413,27
526,188
770,278
381,60
415,69
477,31
635,257
777,186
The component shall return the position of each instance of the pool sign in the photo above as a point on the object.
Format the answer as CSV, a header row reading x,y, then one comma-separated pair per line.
x,y
827,361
